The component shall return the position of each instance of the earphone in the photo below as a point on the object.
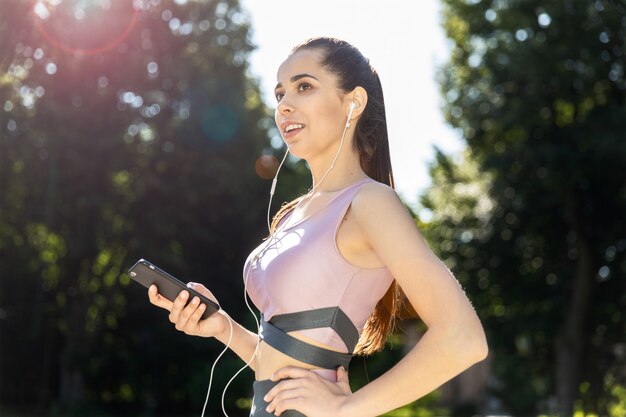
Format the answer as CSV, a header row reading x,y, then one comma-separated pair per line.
x,y
275,180
353,106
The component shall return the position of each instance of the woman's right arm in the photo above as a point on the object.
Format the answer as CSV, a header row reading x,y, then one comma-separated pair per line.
x,y
187,319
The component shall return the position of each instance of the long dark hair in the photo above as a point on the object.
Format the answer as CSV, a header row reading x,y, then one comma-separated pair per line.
x,y
372,144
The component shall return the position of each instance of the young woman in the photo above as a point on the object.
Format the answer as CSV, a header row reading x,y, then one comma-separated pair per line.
x,y
327,280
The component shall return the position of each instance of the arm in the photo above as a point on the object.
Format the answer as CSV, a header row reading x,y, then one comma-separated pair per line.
x,y
187,320
243,343
455,339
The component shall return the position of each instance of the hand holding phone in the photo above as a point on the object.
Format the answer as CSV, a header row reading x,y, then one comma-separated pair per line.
x,y
169,287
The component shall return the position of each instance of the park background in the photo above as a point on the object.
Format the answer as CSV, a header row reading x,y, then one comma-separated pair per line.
x,y
139,128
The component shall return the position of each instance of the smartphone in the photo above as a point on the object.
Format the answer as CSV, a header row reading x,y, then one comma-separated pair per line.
x,y
169,287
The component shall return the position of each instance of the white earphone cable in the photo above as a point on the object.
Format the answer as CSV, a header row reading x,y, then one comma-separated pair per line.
x,y
230,338
332,165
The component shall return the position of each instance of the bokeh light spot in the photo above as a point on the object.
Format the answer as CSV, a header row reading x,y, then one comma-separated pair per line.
x,y
204,25
103,81
153,67
166,15
38,54
174,24
266,166
51,68
544,20
521,35
604,37
219,123
490,15
604,273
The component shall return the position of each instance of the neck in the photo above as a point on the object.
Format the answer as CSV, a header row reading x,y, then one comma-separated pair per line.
x,y
346,171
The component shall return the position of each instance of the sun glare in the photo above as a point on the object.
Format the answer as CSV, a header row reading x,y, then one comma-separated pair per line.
x,y
85,26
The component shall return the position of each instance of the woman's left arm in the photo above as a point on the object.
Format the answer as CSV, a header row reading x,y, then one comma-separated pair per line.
x,y
455,339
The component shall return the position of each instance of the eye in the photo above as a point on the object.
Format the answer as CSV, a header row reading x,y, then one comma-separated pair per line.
x,y
304,84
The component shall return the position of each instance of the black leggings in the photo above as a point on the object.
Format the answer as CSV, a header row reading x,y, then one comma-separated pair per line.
x,y
260,388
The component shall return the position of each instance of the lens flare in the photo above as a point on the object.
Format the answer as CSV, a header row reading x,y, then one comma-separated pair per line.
x,y
85,26
266,166
219,123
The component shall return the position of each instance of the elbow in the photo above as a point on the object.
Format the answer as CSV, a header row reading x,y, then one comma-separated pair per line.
x,y
482,350
475,337
479,346
465,341
470,345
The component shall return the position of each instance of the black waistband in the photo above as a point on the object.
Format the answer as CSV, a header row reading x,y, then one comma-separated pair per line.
x,y
274,333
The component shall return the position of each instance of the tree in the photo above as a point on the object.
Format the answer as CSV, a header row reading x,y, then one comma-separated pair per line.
x,y
538,91
113,148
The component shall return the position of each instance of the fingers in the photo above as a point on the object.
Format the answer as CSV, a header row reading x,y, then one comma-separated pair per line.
x,y
185,321
286,385
343,382
178,305
342,375
288,404
307,392
286,395
202,290
195,317
183,314
292,372
157,299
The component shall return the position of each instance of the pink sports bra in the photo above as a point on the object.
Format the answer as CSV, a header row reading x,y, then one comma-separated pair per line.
x,y
300,282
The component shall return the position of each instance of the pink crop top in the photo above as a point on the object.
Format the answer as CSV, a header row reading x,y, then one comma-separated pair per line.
x,y
302,270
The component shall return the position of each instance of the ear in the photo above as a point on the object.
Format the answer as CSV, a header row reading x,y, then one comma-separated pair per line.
x,y
359,96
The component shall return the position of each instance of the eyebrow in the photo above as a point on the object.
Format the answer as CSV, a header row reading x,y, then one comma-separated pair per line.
x,y
296,78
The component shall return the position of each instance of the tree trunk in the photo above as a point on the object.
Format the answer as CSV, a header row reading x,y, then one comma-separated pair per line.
x,y
71,386
572,342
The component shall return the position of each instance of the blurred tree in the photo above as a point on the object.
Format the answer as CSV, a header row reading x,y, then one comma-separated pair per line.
x,y
538,91
129,130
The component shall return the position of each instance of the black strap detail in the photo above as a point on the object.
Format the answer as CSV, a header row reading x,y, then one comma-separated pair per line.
x,y
302,351
332,317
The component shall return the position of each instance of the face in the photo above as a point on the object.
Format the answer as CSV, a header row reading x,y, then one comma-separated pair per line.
x,y
313,101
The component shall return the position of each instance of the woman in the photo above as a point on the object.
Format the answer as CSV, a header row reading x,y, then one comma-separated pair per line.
x,y
328,279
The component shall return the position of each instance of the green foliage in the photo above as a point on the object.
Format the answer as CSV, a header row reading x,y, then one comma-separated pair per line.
x,y
424,407
531,221
617,402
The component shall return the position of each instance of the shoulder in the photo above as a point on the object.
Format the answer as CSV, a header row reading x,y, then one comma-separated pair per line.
x,y
389,229
377,204
374,196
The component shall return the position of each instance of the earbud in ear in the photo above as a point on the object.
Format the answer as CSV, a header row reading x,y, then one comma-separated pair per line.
x,y
352,107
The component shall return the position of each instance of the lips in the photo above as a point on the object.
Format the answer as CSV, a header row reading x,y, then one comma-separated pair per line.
x,y
284,125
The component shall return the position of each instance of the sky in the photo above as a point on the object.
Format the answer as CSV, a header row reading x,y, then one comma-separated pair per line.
x,y
405,46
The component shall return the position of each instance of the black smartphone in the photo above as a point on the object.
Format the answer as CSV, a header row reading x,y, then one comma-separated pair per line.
x,y
169,287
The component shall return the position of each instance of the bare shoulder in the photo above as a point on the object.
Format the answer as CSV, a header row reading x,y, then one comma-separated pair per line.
x,y
379,203
387,225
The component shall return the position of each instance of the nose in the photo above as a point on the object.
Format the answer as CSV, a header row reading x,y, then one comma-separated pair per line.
x,y
284,107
